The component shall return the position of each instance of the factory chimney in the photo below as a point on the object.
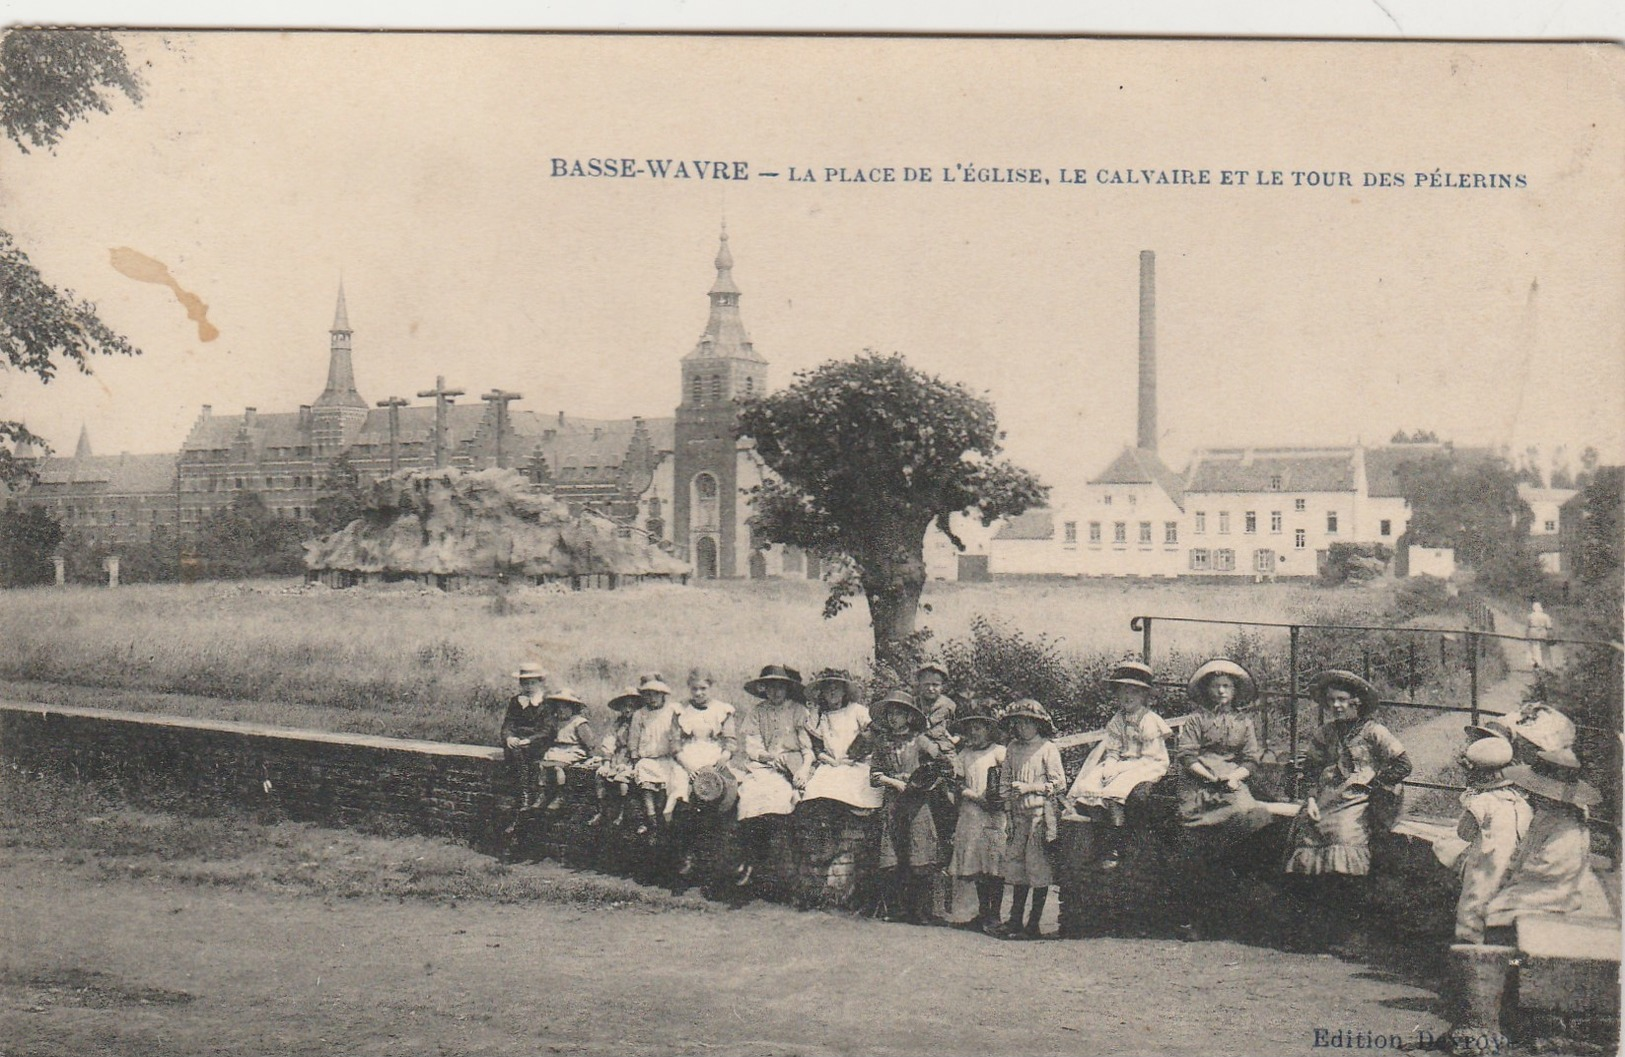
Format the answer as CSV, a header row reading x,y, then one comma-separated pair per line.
x,y
1148,350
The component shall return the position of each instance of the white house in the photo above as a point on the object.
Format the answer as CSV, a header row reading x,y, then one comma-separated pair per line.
x,y
1544,530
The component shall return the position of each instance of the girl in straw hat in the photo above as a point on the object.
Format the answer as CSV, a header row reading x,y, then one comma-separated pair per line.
x,y
1494,819
841,720
527,727
982,829
1030,778
1356,766
1128,761
779,759
615,758
1551,861
571,745
902,759
655,739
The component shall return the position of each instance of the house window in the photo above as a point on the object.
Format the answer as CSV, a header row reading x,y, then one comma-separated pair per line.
x,y
1299,539
1385,527
1094,532
1120,532
1264,561
1331,522
1250,522
1275,521
1200,528
1170,532
750,385
1275,482
1224,522
1300,505
1133,499
1071,528
1199,560
1145,532
1224,560
1551,526
1107,499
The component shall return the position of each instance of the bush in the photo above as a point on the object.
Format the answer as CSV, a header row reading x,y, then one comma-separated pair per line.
x,y
1420,595
1355,562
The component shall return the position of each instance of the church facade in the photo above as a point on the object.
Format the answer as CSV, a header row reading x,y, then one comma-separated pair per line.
x,y
681,481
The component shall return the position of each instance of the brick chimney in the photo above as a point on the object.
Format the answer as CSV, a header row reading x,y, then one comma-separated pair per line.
x,y
1148,351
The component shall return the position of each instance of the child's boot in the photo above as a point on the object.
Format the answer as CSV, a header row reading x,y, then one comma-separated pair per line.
x,y
1040,897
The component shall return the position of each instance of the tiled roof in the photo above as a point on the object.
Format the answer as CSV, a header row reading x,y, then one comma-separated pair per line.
x,y
1143,466
1530,494
1382,466
1033,525
1255,470
117,474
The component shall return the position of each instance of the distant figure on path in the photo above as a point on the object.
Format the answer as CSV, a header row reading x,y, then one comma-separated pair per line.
x,y
1538,631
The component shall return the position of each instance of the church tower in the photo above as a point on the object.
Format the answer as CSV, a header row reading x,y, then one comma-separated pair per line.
x,y
723,367
338,414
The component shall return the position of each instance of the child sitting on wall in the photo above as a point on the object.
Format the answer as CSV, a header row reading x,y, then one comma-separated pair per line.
x,y
655,739
614,778
1125,766
571,745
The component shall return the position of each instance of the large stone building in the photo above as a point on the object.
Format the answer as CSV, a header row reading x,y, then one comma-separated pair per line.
x,y
681,480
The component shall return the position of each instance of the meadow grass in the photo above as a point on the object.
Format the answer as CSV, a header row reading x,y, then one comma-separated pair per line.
x,y
419,663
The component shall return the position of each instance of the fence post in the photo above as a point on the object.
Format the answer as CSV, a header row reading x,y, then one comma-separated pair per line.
x,y
1365,662
1145,640
1472,674
1410,674
1292,715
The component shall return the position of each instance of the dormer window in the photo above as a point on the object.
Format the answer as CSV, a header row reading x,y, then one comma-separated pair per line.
x,y
1275,482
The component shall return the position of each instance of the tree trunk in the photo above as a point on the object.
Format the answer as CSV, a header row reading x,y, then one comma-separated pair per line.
x,y
892,582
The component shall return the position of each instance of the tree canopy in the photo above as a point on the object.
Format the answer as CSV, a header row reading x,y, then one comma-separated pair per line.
x,y
1471,503
50,78
867,454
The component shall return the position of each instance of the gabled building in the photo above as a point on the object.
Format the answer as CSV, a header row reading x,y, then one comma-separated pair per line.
x,y
1546,527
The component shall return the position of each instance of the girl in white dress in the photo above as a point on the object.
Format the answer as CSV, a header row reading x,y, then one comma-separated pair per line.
x,y
655,740
707,741
841,718
1127,763
571,745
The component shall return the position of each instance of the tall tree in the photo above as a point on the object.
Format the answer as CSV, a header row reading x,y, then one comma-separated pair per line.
x,y
28,538
50,78
1472,505
868,454
342,497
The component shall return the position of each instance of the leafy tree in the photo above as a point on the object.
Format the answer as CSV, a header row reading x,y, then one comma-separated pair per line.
x,y
28,538
1589,458
50,78
1472,505
247,539
342,497
867,454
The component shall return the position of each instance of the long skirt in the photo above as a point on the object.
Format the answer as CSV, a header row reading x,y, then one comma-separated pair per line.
x,y
1218,813
908,835
1026,860
979,842
764,790
1340,843
846,781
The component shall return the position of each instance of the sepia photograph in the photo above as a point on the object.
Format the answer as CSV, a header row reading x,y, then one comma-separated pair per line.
x,y
645,543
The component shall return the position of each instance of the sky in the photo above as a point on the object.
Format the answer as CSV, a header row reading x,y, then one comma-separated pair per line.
x,y
262,168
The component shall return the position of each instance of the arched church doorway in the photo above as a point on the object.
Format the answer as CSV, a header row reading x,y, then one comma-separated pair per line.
x,y
705,558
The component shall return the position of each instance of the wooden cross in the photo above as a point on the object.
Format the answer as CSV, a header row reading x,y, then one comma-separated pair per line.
x,y
500,399
442,400
394,404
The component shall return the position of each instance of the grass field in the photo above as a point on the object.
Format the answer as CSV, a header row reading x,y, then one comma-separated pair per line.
x,y
419,663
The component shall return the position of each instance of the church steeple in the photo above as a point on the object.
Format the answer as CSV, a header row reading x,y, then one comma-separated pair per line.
x,y
725,335
341,390
82,450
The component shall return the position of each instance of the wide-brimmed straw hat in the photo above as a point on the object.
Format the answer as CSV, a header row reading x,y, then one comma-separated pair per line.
x,y
1489,754
1343,679
832,675
653,682
904,700
530,670
1553,777
1246,685
973,713
781,674
1132,673
1544,727
626,696
1032,710
930,666
1492,727
565,695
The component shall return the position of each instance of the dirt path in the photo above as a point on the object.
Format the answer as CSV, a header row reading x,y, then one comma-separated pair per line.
x,y
1433,745
95,966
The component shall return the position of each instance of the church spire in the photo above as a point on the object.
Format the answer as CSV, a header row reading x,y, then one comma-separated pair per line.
x,y
724,335
82,450
341,390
